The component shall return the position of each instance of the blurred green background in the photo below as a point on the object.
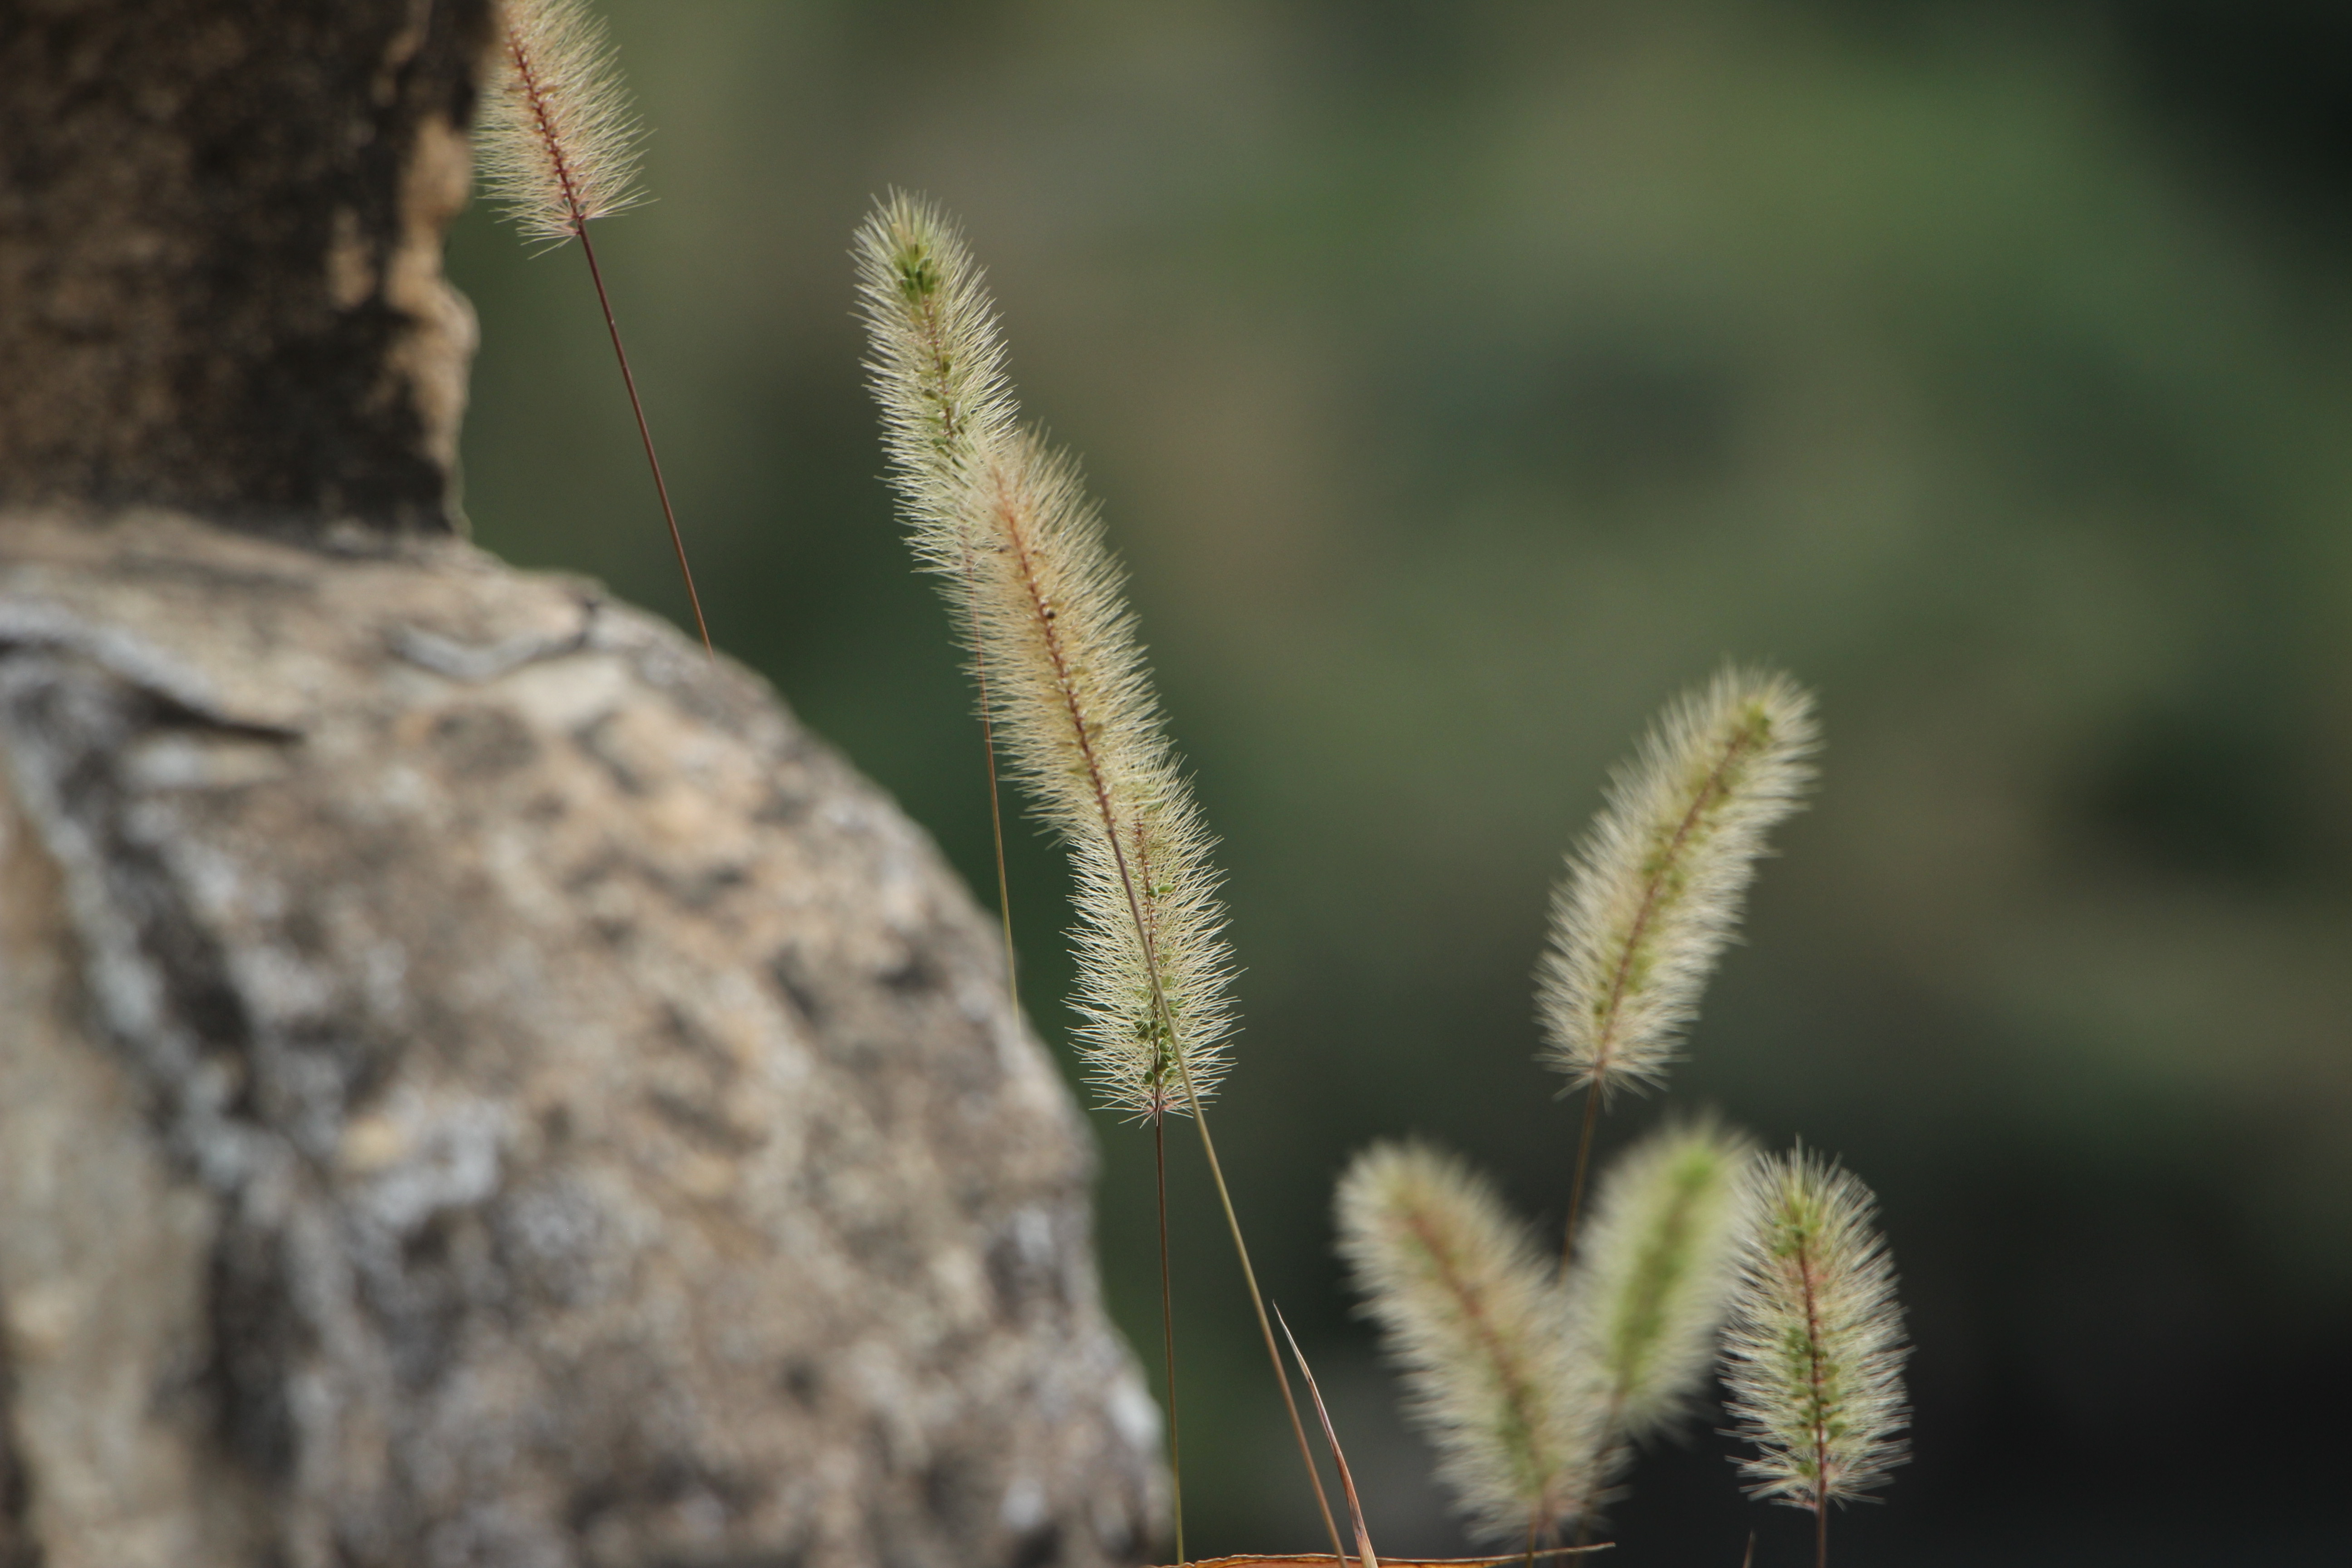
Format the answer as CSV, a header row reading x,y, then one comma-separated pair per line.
x,y
1462,380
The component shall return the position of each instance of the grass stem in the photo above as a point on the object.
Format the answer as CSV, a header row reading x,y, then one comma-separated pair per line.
x,y
1584,1163
1225,1200
1257,1303
645,433
1098,787
996,802
1819,1379
1167,1329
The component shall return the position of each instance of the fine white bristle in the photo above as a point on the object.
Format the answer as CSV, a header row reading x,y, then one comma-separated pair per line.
x,y
1474,1314
559,142
1006,523
1813,1353
1653,892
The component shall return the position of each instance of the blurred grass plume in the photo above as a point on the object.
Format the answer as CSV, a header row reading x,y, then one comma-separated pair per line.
x,y
1654,889
1515,1370
1813,1355
1470,1309
1654,1277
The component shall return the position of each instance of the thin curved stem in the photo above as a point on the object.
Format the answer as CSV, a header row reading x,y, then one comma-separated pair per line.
x,y
1583,1162
1167,1329
645,433
995,803
1249,1277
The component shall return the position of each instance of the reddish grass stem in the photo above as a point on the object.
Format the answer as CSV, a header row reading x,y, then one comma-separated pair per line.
x,y
645,433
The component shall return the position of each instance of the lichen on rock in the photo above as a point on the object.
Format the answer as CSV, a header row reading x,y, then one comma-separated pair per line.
x,y
483,1085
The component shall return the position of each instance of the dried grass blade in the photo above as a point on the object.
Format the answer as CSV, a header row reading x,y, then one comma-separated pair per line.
x,y
1330,1436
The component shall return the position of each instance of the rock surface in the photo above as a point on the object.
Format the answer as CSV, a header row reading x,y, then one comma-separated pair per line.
x,y
480,1085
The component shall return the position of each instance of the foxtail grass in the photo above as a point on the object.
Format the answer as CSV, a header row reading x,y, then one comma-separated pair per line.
x,y
1472,1312
1652,1283
1654,890
1654,1277
1535,1382
1534,1388
1008,521
559,149
1813,1353
938,370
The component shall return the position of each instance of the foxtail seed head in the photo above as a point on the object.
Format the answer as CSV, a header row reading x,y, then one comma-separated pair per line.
x,y
1474,1314
1654,1269
937,364
1007,524
1654,889
560,141
1813,1353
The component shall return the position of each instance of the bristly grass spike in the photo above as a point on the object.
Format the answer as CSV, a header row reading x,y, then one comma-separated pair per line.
x,y
1006,519
1472,1313
1654,889
1814,1355
558,150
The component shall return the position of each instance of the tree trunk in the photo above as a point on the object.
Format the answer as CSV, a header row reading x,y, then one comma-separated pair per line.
x,y
478,1085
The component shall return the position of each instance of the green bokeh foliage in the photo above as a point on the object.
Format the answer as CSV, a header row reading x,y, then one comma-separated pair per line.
x,y
1463,381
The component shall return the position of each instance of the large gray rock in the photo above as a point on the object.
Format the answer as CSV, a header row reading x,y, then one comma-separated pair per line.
x,y
481,1085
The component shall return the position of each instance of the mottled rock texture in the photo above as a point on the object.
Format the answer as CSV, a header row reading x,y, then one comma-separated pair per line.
x,y
481,1085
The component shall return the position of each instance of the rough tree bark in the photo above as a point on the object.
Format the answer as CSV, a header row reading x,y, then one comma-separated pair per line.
x,y
477,1084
